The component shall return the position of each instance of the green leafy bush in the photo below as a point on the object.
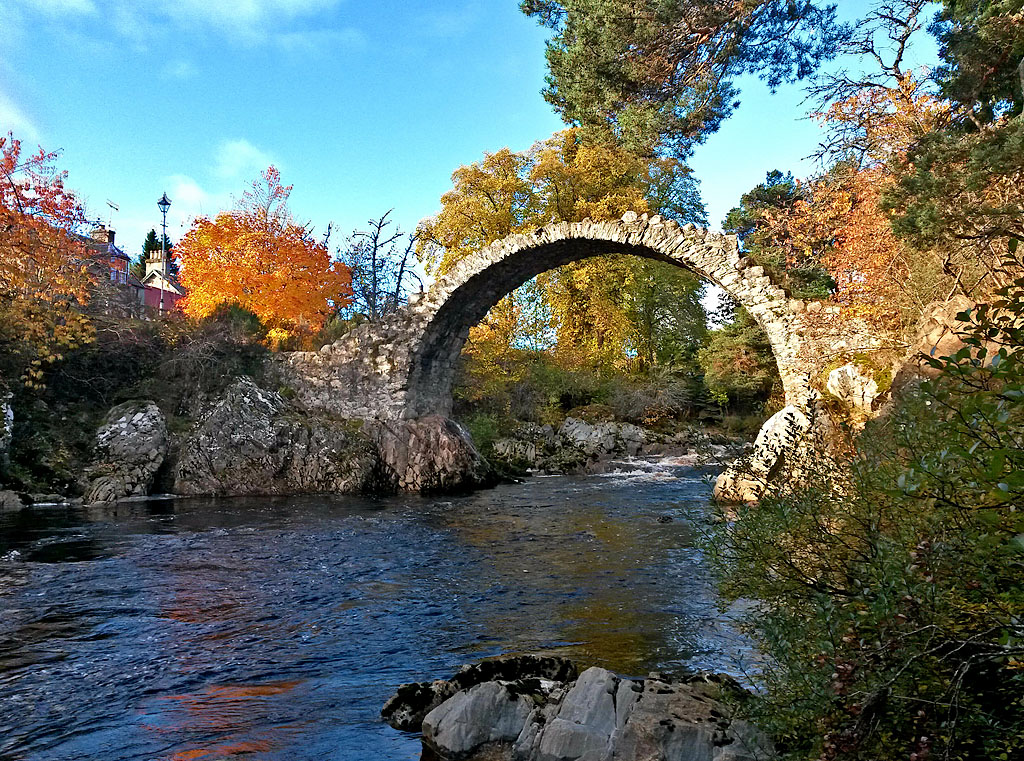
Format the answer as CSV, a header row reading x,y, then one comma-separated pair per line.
x,y
890,583
739,366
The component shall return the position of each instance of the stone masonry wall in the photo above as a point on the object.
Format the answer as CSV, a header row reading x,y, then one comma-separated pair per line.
x,y
404,366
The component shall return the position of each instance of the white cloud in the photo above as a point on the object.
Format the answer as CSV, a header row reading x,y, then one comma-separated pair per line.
x,y
13,119
190,199
243,13
248,22
312,41
450,22
180,70
240,159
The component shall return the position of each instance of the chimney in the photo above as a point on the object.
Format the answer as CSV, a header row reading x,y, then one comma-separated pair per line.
x,y
101,234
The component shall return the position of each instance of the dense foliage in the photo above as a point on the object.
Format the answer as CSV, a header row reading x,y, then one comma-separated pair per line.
x,y
891,581
659,75
44,274
259,258
611,311
888,580
178,363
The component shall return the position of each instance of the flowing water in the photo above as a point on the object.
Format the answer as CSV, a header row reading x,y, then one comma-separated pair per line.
x,y
277,628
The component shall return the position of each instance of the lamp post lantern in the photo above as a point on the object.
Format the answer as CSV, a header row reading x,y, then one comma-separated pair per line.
x,y
163,204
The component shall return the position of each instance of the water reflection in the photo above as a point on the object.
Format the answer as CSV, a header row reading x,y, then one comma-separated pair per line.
x,y
231,719
276,628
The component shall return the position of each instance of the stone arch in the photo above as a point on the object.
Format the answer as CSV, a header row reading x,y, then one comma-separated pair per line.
x,y
404,367
463,297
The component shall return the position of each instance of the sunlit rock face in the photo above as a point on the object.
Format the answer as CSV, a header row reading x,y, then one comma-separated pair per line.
x,y
853,386
526,711
779,437
254,441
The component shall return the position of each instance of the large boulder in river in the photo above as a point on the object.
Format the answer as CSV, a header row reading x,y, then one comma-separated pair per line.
x,y
596,716
431,453
130,448
412,702
488,714
255,442
780,436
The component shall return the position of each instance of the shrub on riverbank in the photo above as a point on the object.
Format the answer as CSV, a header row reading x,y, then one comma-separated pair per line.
x,y
177,363
533,387
890,584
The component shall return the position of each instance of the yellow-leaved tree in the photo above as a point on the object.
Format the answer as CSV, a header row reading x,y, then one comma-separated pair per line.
x,y
585,311
44,276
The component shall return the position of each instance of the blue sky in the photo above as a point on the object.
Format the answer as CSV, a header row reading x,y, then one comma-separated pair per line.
x,y
363,106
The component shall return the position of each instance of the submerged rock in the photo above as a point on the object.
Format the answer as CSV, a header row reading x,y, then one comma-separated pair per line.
x,y
130,448
595,716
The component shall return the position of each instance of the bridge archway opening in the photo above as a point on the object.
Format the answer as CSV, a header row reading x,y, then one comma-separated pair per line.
x,y
464,296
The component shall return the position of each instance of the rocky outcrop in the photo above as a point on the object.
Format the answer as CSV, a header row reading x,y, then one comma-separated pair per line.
x,y
412,702
852,386
597,716
254,442
938,335
9,501
428,454
603,438
781,436
577,445
130,448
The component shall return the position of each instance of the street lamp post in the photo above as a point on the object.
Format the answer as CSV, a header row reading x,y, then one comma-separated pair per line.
x,y
163,204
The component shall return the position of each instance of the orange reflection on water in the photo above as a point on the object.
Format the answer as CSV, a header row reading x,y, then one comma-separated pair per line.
x,y
228,720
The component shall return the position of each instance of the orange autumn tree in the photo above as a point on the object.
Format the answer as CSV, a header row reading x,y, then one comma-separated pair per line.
x,y
839,224
257,257
43,273
877,275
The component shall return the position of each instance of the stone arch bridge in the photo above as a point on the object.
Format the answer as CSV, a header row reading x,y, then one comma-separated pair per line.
x,y
404,366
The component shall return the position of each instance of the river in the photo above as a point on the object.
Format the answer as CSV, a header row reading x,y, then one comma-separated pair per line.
x,y
277,628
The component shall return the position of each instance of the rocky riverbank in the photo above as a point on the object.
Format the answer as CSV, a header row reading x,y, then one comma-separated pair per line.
x,y
251,440
254,441
534,708
578,446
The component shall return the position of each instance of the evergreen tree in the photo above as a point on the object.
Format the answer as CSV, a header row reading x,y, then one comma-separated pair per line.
x,y
152,244
658,76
